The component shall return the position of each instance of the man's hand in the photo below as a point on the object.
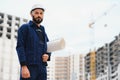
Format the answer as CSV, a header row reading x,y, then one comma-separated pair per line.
x,y
45,57
25,72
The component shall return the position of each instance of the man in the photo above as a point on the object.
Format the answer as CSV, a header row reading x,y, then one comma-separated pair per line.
x,y
32,47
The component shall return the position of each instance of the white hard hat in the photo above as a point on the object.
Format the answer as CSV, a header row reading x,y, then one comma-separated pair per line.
x,y
37,6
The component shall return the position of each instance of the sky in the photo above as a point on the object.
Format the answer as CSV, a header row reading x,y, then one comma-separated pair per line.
x,y
70,19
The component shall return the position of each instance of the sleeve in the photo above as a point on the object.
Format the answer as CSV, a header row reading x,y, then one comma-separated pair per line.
x,y
20,48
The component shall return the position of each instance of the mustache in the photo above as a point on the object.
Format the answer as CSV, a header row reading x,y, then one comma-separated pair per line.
x,y
39,17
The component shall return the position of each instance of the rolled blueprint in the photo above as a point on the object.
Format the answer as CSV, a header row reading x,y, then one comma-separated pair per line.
x,y
55,45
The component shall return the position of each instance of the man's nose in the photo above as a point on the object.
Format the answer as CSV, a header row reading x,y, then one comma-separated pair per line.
x,y
39,15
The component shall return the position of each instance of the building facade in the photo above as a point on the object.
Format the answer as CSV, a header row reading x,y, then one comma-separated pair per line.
x,y
102,63
51,68
77,67
107,62
81,67
90,66
62,68
114,47
9,66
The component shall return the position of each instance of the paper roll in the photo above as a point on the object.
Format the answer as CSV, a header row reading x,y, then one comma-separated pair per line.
x,y
55,45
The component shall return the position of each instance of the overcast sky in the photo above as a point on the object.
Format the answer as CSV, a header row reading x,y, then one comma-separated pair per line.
x,y
70,19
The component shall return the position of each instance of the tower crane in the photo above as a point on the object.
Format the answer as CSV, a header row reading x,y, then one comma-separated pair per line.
x,y
102,15
93,21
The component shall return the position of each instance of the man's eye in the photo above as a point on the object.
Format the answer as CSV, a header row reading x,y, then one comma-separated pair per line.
x,y
41,13
36,13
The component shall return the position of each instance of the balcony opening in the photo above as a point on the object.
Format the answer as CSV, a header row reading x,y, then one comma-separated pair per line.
x,y
1,28
8,36
16,30
17,18
9,23
16,24
9,30
25,20
0,34
1,15
1,21
15,37
9,17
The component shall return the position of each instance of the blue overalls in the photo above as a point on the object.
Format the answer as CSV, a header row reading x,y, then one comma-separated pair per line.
x,y
30,48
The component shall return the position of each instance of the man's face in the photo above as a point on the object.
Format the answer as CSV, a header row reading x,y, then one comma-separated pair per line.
x,y
37,15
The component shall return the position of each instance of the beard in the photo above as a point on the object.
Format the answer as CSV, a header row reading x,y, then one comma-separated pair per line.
x,y
37,20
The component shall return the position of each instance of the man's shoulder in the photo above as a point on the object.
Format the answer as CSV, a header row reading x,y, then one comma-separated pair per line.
x,y
24,26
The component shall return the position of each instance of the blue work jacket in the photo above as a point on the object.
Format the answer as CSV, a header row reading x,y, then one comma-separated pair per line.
x,y
29,46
